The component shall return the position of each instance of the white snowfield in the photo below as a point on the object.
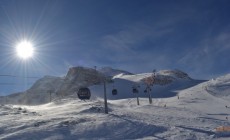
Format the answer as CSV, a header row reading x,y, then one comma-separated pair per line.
x,y
192,113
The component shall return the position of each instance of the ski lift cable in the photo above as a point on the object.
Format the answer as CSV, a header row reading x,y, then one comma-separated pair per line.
x,y
8,75
15,84
7,83
14,76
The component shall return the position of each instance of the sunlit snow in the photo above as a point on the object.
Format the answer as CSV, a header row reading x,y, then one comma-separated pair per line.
x,y
192,113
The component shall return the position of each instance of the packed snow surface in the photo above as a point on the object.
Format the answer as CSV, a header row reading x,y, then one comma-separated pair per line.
x,y
193,114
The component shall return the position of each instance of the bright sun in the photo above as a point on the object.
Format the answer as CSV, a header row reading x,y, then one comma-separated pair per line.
x,y
25,49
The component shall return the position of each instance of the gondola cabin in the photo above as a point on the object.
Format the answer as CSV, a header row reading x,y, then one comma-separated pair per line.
x,y
135,90
114,92
84,93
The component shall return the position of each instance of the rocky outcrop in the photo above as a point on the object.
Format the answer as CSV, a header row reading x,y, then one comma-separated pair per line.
x,y
79,77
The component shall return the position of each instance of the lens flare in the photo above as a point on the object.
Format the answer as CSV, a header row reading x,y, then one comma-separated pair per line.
x,y
25,49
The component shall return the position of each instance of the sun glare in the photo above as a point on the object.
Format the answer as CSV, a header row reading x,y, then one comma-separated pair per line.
x,y
25,49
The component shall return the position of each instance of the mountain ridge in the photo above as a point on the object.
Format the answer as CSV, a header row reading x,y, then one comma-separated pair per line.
x,y
51,87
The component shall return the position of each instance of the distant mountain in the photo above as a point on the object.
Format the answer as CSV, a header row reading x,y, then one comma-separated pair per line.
x,y
38,93
50,87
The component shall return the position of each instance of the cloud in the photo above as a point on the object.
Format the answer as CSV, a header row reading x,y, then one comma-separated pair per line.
x,y
129,43
124,40
210,57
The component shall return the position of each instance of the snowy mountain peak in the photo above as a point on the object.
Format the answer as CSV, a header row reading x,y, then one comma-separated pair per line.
x,y
75,72
162,77
79,77
108,71
46,83
175,73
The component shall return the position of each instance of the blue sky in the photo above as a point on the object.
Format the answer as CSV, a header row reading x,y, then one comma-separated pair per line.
x,y
133,35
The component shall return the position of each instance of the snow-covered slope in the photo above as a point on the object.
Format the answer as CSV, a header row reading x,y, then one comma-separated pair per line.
x,y
71,118
200,98
194,113
167,82
219,87
39,93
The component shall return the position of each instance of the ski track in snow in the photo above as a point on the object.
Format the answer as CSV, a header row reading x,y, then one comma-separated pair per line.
x,y
75,119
